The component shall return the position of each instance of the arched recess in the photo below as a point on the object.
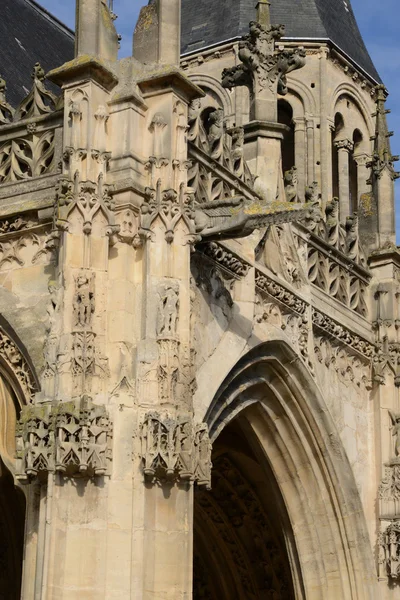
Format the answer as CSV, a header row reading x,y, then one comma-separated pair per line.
x,y
213,88
271,399
18,382
285,117
346,89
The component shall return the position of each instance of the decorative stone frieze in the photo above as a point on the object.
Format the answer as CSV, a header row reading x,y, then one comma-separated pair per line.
x,y
348,368
341,335
226,259
281,294
174,449
16,224
72,438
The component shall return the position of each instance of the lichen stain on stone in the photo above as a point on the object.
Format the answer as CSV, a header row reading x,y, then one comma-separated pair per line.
x,y
366,205
147,17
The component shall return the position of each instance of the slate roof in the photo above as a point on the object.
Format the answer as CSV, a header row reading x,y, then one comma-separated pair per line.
x,y
28,33
206,22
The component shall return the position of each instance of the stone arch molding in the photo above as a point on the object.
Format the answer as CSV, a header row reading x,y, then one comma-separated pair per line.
x,y
300,98
18,384
289,426
353,92
207,82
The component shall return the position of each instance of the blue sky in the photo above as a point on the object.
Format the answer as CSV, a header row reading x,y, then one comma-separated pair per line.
x,y
378,21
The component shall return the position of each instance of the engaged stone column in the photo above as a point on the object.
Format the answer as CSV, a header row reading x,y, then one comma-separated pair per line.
x,y
300,152
310,152
344,147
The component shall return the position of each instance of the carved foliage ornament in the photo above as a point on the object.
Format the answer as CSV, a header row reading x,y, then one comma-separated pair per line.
x,y
174,449
342,335
18,365
70,438
226,259
40,100
278,292
260,66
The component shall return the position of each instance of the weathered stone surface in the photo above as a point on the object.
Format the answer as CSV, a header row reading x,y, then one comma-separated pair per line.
x,y
199,350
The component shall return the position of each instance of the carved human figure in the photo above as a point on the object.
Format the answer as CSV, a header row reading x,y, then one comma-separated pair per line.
x,y
184,450
215,132
395,417
290,182
84,304
168,312
203,449
54,305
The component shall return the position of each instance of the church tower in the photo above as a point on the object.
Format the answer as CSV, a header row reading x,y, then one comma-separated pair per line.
x,y
328,107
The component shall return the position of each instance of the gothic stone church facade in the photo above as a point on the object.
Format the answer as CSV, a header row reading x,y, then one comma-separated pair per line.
x,y
199,307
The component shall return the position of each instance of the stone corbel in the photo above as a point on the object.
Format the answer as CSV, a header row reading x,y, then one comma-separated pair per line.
x,y
73,439
174,449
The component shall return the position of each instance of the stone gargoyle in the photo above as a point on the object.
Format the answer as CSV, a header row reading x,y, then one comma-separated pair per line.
x,y
235,218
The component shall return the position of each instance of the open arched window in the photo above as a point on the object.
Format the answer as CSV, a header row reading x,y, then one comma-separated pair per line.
x,y
285,117
353,171
338,127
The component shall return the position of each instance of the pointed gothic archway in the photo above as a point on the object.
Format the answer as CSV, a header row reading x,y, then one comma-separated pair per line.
x,y
284,518
12,499
17,384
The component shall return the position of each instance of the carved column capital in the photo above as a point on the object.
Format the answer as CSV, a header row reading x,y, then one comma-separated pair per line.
x,y
346,145
362,159
299,123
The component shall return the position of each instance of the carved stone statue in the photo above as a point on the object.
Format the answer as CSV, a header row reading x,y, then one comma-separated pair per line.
x,y
168,312
395,417
290,181
84,304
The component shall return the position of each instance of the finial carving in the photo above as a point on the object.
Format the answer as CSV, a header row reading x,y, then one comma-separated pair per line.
x,y
262,70
39,101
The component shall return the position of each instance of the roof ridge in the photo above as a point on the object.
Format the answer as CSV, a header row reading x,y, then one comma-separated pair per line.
x,y
50,17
